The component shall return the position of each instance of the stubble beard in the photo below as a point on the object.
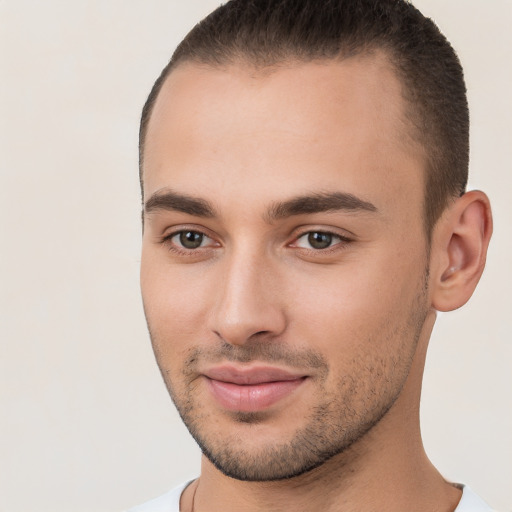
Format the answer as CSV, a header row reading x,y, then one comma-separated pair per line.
x,y
338,421
312,445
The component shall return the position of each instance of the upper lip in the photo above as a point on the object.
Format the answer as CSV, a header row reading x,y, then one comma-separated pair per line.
x,y
250,375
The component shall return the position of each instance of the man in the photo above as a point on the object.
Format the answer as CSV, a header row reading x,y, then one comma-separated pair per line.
x,y
303,166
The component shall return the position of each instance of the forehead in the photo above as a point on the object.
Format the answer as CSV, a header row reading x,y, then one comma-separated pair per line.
x,y
322,124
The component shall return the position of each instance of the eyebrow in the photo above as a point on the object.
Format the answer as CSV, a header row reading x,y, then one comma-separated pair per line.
x,y
319,203
302,205
174,201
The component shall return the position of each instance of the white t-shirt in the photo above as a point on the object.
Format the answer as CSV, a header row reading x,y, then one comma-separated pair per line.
x,y
170,502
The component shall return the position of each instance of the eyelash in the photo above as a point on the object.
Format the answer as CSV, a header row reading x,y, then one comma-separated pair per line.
x,y
167,240
339,242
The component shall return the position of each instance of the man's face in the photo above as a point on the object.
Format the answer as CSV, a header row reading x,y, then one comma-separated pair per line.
x,y
284,261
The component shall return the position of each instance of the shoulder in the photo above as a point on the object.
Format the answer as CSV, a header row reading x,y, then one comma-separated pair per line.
x,y
470,502
168,502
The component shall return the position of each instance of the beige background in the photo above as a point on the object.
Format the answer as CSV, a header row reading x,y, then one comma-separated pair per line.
x,y
85,422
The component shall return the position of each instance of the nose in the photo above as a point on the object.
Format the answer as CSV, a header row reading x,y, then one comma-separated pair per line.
x,y
248,300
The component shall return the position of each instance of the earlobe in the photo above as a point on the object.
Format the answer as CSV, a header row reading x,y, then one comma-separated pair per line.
x,y
460,245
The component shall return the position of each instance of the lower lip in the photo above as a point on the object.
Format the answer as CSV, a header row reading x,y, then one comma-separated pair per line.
x,y
253,397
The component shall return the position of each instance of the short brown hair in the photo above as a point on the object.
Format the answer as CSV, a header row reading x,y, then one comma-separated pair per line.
x,y
267,32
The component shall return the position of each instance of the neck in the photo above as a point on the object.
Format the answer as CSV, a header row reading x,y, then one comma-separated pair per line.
x,y
381,480
386,470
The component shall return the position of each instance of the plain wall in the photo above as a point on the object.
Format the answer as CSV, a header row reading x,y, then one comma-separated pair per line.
x,y
85,421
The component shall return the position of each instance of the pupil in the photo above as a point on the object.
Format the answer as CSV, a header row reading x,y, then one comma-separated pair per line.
x,y
191,239
320,240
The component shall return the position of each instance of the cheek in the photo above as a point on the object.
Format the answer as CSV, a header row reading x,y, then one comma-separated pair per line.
x,y
360,304
175,304
367,330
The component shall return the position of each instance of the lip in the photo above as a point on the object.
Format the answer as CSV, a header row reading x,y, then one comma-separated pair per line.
x,y
251,389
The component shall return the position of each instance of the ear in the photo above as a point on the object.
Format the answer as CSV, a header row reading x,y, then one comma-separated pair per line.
x,y
459,250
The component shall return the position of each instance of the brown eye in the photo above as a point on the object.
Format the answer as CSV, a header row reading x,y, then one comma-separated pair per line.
x,y
319,240
190,239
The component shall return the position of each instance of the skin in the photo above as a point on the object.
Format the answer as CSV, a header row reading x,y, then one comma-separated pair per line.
x,y
353,319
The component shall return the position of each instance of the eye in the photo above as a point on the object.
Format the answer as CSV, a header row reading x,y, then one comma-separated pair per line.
x,y
318,240
188,239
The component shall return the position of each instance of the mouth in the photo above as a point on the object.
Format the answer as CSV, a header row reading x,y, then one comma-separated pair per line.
x,y
251,389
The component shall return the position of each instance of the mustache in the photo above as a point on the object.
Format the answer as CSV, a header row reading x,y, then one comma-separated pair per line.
x,y
258,351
